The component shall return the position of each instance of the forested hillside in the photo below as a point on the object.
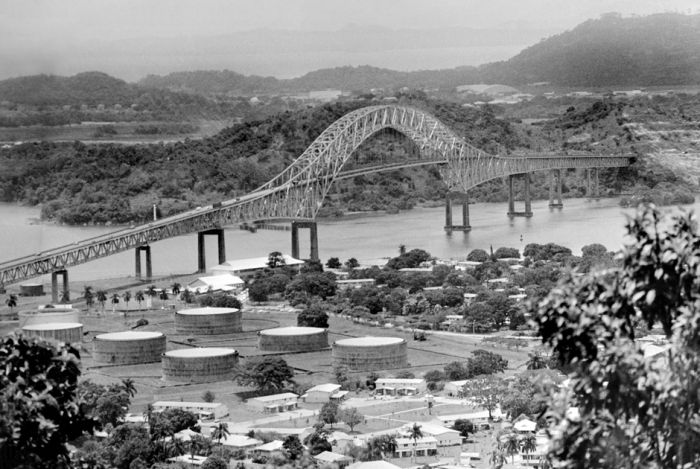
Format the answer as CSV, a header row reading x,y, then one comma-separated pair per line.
x,y
660,49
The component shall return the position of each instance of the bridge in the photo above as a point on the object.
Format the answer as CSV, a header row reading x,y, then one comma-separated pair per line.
x,y
297,193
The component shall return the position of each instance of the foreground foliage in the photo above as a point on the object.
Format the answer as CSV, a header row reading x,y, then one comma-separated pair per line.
x,y
633,410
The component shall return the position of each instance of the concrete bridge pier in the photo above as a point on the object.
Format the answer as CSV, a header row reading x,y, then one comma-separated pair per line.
x,y
201,247
464,201
526,195
313,238
593,183
555,175
137,261
54,285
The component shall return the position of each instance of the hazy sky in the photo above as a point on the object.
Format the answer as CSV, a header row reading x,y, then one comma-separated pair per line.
x,y
68,36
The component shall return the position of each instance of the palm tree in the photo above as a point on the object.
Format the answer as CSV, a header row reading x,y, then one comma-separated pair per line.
x,y
151,292
127,297
163,296
511,445
528,443
128,386
115,300
11,302
89,296
414,433
148,412
497,458
187,296
102,297
175,288
220,433
402,249
139,298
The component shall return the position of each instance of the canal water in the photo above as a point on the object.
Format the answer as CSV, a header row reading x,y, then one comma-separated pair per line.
x,y
370,239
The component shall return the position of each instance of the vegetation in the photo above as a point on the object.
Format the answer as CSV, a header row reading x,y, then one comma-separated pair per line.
x,y
627,400
266,374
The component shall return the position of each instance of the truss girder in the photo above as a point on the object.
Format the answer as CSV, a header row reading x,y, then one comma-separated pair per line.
x,y
297,193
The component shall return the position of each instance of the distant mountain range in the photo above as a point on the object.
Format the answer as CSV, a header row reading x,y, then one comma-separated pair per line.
x,y
662,49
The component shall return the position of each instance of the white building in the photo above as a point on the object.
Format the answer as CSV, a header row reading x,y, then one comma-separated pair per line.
x,y
329,457
274,403
324,392
240,442
454,388
203,410
224,282
425,446
275,447
248,267
443,435
400,386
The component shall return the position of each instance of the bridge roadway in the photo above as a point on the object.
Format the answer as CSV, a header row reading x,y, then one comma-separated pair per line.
x,y
298,192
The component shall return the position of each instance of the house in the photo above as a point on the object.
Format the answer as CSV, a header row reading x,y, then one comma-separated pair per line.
x,y
400,386
246,268
354,283
273,448
340,440
186,435
324,393
203,410
524,425
189,460
424,446
373,465
224,282
454,388
329,457
274,403
444,436
240,442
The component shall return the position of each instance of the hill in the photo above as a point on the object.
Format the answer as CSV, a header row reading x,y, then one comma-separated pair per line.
x,y
662,49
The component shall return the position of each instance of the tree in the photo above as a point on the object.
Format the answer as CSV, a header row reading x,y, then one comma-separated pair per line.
x,y
219,433
128,386
39,408
293,447
313,315
102,297
333,263
312,284
483,362
187,296
139,298
351,417
266,374
510,444
163,295
486,391
377,447
151,293
528,443
89,296
126,296
214,462
170,421
175,289
535,361
329,413
626,400
464,427
415,433
115,301
317,442
11,302
352,263
506,253
478,255
65,296
208,396
275,259
258,290
456,371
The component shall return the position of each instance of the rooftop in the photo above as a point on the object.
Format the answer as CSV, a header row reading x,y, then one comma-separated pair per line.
x,y
52,326
275,397
210,405
201,352
328,387
206,311
129,335
370,341
292,330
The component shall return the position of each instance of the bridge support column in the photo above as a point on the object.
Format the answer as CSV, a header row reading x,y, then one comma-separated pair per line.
x,y
54,285
592,183
313,238
137,262
201,247
462,199
555,183
526,195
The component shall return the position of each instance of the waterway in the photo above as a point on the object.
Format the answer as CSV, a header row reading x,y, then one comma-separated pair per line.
x,y
370,239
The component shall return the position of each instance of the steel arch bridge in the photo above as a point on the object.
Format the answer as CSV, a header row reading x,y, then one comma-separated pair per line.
x,y
297,193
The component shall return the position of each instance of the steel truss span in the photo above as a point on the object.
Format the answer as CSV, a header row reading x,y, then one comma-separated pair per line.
x,y
297,193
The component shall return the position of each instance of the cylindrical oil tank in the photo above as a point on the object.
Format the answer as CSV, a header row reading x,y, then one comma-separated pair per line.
x,y
200,365
70,332
47,315
293,339
370,353
128,347
206,321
